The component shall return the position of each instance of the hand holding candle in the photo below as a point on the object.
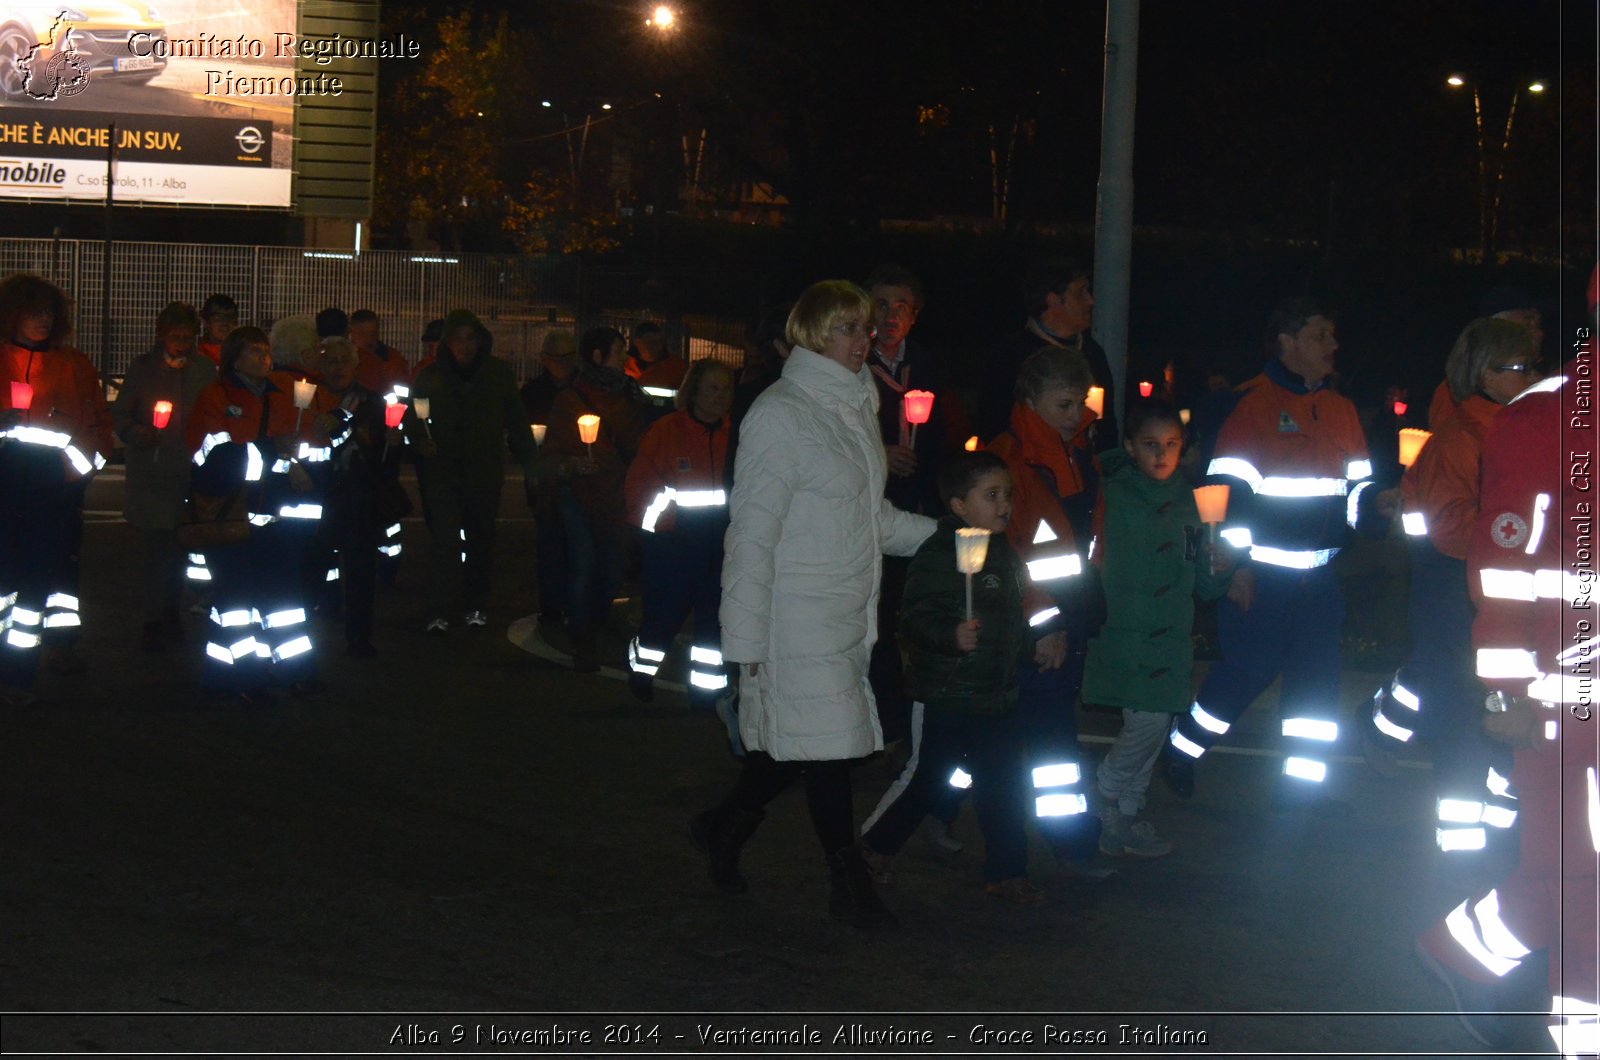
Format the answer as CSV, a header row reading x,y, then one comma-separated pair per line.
x,y
972,548
1412,439
918,407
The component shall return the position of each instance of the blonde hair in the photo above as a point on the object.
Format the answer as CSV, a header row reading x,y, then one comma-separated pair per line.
x,y
821,307
1484,344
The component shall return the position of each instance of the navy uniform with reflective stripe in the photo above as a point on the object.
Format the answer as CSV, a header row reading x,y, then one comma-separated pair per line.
x,y
1296,463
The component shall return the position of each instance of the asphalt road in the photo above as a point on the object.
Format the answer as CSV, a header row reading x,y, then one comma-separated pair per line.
x,y
464,838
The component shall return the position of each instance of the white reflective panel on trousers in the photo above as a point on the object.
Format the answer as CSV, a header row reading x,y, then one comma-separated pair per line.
x,y
1507,663
1056,774
1415,524
1039,618
333,574
1460,927
18,639
1499,816
960,779
1460,811
237,617
1060,805
1450,839
1576,1039
1238,536
197,559
65,600
1207,721
301,511
219,653
1311,729
62,620
1551,730
1496,935
198,574
1498,784
1405,697
1305,768
1049,568
291,617
240,648
705,656
26,616
648,654
1541,504
1358,469
1294,560
1186,745
393,531
298,646
1389,728
710,682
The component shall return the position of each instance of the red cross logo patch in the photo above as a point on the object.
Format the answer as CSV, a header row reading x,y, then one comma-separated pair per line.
x,y
1509,530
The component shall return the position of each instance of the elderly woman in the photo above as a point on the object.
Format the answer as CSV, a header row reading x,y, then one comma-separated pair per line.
x,y
1435,692
808,529
158,461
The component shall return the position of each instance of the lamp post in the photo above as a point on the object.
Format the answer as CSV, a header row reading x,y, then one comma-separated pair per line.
x,y
1489,206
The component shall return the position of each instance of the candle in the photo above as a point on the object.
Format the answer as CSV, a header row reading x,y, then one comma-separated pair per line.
x,y
1412,439
972,444
538,432
1399,409
394,414
1183,414
421,406
1146,388
1212,502
918,406
1095,400
162,415
972,548
21,396
588,428
304,391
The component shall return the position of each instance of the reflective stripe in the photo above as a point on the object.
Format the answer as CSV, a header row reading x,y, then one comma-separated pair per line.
x,y
1305,768
1460,811
1562,688
643,660
389,550
219,653
76,459
1039,618
399,392
1235,467
705,656
239,617
1389,728
711,682
1044,535
239,649
1352,507
1499,816
1578,651
961,779
26,616
263,651
1358,469
198,574
657,506
1278,557
38,436
1405,697
1060,805
64,618
1186,745
333,575
258,519
1497,784
208,443
301,511
1093,541
1056,774
1237,536
1206,721
282,465
648,654
1541,504
1572,1006
701,498
1311,729
197,558
1302,486
1461,929
1449,839
298,646
254,464
1507,584
315,456
291,617
1496,935
65,600
393,531
1551,730
1544,386
1415,524
18,639
1049,568
1507,663
659,392
1576,1040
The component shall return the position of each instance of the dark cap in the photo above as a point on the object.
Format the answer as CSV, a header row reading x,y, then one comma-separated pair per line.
x,y
332,322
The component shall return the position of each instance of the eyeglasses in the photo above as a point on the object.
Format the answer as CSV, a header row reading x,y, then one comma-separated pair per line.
x,y
855,328
1523,369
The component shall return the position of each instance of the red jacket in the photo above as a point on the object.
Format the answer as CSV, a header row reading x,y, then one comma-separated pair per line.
x,y
665,374
68,400
227,408
1441,406
1441,488
380,374
681,463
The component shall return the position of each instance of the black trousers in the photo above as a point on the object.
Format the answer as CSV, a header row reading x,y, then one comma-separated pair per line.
x,y
885,671
828,794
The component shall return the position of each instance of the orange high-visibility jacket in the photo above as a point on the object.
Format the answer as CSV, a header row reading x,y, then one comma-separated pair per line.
x,y
225,407
67,399
680,463
1441,488
380,374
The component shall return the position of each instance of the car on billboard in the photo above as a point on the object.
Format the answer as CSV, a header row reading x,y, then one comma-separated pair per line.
x,y
73,42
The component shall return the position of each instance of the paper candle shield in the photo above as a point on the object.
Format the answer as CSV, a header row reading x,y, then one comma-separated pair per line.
x,y
21,396
1183,414
538,432
918,405
1095,400
304,391
972,548
421,405
1212,502
162,415
588,428
1146,388
1412,439
393,414
972,444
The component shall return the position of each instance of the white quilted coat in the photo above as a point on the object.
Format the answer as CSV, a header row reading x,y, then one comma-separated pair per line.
x,y
809,527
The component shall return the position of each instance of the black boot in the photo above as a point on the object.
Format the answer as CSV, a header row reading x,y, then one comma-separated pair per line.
x,y
851,896
721,833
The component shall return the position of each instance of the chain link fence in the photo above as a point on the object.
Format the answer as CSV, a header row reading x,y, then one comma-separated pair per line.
x,y
520,299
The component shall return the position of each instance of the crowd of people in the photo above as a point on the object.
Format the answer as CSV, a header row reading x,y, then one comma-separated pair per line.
x,y
858,570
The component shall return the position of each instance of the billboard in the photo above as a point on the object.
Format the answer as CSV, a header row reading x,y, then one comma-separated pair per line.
x,y
203,100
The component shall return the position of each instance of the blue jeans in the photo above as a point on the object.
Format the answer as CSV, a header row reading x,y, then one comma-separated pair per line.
x,y
594,558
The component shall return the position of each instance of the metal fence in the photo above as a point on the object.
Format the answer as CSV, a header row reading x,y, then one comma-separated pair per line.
x,y
520,299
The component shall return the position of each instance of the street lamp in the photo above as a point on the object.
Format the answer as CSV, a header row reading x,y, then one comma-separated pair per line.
x,y
663,19
1489,209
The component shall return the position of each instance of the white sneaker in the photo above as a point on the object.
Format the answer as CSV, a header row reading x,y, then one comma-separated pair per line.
x,y
1123,834
437,626
938,833
477,620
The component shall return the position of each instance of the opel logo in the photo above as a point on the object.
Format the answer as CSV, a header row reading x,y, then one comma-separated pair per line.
x,y
249,139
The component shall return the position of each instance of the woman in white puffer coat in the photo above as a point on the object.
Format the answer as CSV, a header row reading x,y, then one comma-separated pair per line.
x,y
808,529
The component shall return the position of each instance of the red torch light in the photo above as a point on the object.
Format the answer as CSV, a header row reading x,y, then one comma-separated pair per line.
x,y
918,407
162,415
1399,409
1146,388
394,414
21,396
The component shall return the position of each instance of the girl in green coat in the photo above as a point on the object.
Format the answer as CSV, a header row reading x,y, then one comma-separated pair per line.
x,y
1153,561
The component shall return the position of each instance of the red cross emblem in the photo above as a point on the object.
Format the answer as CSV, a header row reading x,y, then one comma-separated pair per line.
x,y
1509,530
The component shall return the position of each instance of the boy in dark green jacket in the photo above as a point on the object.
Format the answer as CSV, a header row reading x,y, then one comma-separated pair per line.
x,y
1153,561
963,672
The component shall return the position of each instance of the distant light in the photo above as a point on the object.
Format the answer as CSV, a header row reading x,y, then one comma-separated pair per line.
x,y
480,113
1537,86
1146,388
1399,409
605,106
663,17
544,103
1454,81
